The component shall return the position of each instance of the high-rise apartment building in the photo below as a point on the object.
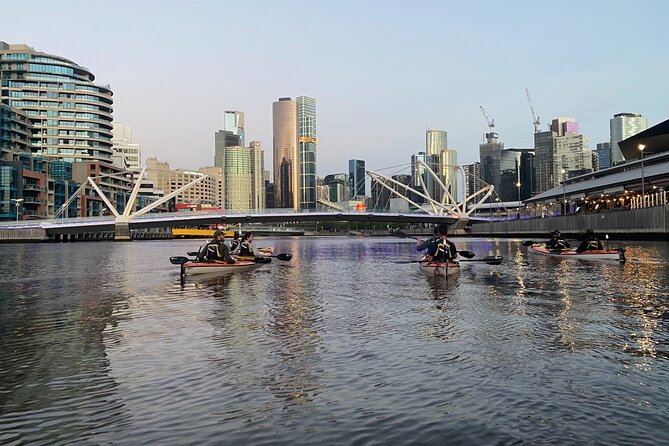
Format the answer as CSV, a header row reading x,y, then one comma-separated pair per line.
x,y
622,126
123,145
168,180
560,153
284,131
307,140
243,171
356,178
70,112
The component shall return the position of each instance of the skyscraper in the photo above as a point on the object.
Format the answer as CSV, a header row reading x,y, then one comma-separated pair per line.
x,y
490,153
73,113
436,143
560,148
232,135
233,126
306,133
624,125
604,155
356,178
284,130
243,176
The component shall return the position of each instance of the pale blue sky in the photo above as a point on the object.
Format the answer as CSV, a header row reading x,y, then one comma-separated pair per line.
x,y
381,71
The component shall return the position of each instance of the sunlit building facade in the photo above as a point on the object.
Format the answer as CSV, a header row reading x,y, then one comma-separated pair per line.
x,y
307,140
70,112
284,133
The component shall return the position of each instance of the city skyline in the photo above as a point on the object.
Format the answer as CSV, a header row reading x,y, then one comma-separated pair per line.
x,y
376,97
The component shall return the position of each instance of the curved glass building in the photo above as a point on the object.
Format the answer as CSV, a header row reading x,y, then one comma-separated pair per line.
x,y
72,115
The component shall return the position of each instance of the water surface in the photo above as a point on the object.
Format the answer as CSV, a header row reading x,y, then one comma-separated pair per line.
x,y
101,343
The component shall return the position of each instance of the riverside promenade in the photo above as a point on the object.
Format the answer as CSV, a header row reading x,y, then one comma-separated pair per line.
x,y
650,223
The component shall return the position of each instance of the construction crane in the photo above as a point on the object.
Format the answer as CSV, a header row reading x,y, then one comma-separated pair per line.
x,y
490,136
535,118
491,122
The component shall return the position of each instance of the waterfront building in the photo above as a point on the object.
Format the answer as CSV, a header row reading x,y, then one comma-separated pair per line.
x,y
490,154
168,180
218,175
623,126
269,191
307,139
603,155
123,145
243,172
71,113
338,186
284,132
560,153
356,178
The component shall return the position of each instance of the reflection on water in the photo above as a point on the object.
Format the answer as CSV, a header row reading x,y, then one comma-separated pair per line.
x,y
102,344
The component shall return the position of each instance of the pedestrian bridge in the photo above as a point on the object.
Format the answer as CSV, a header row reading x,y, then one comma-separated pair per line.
x,y
205,218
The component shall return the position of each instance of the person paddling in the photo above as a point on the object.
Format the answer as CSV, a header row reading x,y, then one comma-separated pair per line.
x,y
442,249
235,242
246,247
216,250
590,243
557,242
422,245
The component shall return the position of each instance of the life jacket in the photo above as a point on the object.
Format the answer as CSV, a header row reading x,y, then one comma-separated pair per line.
x,y
213,252
593,245
443,253
233,244
245,249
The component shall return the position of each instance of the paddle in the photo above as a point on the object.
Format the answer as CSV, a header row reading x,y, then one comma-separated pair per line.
x,y
528,242
463,253
490,260
284,257
179,260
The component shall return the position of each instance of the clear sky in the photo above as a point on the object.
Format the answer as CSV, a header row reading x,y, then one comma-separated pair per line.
x,y
382,72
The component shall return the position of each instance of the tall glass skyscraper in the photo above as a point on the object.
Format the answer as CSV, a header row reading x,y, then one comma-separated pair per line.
x,y
72,114
284,129
624,125
356,177
233,126
307,139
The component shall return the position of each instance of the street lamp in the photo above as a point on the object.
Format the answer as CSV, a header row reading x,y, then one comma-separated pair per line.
x,y
564,192
643,180
17,201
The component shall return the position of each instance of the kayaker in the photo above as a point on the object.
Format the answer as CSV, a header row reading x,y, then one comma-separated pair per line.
x,y
246,247
557,242
590,243
216,250
235,242
442,249
422,245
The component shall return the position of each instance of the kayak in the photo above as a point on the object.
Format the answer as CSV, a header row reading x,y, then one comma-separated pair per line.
x,y
603,254
440,269
193,268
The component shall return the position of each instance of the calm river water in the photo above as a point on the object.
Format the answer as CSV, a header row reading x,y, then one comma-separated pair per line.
x,y
101,344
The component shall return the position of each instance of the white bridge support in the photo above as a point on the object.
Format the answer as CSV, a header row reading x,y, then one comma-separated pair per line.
x,y
122,221
448,204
